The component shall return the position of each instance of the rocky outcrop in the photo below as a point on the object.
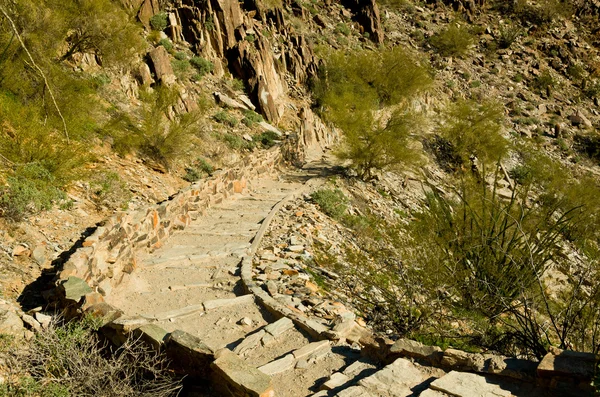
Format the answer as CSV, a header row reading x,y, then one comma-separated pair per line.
x,y
366,13
161,64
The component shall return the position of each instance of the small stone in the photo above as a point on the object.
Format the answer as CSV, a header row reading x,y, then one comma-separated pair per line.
x,y
302,364
21,250
31,322
245,321
336,380
43,319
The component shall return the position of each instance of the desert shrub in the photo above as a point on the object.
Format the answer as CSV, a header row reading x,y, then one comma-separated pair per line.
x,y
251,118
225,118
180,67
452,41
71,360
108,189
332,202
543,81
159,21
576,71
353,88
342,28
202,66
198,169
166,43
267,138
508,35
30,189
236,142
592,90
473,129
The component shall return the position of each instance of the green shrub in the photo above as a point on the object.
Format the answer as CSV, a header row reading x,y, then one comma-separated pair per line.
x,y
31,189
342,28
180,67
166,43
543,81
452,41
508,35
251,118
354,87
225,118
592,90
237,143
181,56
332,202
108,189
202,66
576,72
198,169
250,38
159,21
70,360
267,138
473,129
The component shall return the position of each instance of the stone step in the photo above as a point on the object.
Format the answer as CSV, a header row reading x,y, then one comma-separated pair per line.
x,y
465,384
266,336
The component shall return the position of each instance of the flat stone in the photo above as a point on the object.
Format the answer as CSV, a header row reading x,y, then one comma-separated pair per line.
x,y
464,384
240,378
75,288
278,366
189,354
152,334
240,300
433,393
249,343
184,311
11,323
43,319
335,380
268,127
128,324
568,363
395,379
229,102
31,322
310,349
411,348
280,326
356,391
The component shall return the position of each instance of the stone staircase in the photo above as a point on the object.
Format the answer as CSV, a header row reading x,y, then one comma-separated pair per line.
x,y
194,295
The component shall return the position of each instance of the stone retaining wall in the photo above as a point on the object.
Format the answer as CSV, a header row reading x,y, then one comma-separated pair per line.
x,y
109,255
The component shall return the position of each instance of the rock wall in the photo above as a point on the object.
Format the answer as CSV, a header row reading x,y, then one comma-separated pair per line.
x,y
109,254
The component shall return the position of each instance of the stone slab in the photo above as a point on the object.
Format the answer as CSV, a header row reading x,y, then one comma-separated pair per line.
x,y
411,348
310,349
336,380
240,379
285,363
184,311
280,326
249,343
239,300
152,334
464,384
188,354
74,288
397,378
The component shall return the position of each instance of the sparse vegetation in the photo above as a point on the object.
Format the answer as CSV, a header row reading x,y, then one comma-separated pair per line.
x,y
452,41
251,118
159,21
332,202
70,360
198,169
202,66
226,118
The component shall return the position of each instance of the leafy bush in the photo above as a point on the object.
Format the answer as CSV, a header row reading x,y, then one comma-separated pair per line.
x,y
109,189
70,360
225,118
354,87
452,41
474,130
31,189
508,35
180,67
332,202
251,118
202,65
159,21
267,138
166,43
197,170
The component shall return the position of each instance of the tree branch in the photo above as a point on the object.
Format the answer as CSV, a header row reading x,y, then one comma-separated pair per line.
x,y
41,72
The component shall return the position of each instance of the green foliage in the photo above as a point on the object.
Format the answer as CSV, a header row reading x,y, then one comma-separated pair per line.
x,y
224,117
202,66
543,81
250,38
592,89
473,129
251,118
332,202
352,90
235,142
508,35
70,360
31,189
180,67
159,21
166,43
342,28
267,138
108,189
452,41
199,168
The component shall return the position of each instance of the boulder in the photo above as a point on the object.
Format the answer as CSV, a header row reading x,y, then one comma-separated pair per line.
x,y
161,64
237,378
566,363
411,348
11,323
